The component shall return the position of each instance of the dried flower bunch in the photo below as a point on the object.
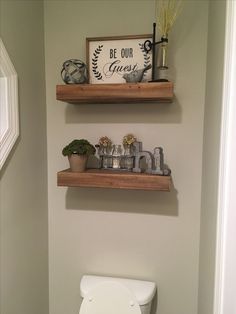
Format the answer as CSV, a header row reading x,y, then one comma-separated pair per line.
x,y
105,141
129,139
166,13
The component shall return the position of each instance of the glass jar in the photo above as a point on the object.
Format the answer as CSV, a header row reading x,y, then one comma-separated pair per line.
x,y
107,159
128,157
116,156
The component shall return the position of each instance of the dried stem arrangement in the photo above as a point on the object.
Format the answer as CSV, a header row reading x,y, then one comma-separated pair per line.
x,y
166,13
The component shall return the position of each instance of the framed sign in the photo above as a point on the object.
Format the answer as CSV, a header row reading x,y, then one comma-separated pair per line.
x,y
112,59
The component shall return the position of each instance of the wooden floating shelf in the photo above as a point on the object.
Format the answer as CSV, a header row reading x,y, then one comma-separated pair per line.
x,y
116,93
100,178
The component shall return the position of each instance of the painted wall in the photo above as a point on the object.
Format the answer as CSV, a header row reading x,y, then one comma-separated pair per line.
x,y
212,123
23,180
144,235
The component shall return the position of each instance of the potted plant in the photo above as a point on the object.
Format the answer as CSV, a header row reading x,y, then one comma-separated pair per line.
x,y
78,152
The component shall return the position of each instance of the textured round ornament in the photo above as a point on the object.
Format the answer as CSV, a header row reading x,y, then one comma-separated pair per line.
x,y
74,72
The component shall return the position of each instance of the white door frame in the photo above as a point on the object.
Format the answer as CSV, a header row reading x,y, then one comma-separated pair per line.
x,y
9,115
225,278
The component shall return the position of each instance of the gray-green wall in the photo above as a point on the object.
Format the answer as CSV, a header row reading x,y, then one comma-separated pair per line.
x,y
143,235
23,180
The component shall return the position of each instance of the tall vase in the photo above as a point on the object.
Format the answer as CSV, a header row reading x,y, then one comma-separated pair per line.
x,y
162,64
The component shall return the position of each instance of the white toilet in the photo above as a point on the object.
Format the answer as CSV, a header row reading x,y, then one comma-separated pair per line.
x,y
108,295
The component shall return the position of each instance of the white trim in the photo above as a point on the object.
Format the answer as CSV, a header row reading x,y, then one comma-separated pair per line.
x,y
8,106
225,278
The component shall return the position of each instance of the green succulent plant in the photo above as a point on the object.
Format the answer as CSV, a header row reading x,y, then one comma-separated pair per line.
x,y
79,147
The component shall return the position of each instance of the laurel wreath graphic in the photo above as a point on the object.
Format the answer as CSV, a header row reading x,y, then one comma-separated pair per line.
x,y
146,56
96,54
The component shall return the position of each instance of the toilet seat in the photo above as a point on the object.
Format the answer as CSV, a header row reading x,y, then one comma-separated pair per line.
x,y
110,297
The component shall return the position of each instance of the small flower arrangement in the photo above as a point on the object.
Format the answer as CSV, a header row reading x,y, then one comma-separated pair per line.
x,y
105,141
129,139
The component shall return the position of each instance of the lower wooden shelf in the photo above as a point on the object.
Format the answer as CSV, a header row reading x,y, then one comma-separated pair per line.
x,y
100,178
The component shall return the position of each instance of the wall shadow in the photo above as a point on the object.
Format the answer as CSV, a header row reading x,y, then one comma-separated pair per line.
x,y
155,303
124,113
115,200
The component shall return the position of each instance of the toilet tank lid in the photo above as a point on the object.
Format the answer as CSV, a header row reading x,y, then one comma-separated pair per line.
x,y
144,291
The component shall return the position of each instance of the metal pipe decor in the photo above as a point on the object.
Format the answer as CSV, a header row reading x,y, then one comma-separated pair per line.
x,y
148,46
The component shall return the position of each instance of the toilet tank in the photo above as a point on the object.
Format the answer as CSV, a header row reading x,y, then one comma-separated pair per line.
x,y
144,291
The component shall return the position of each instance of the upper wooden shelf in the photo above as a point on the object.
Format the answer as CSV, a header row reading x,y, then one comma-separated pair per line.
x,y
116,93
113,179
